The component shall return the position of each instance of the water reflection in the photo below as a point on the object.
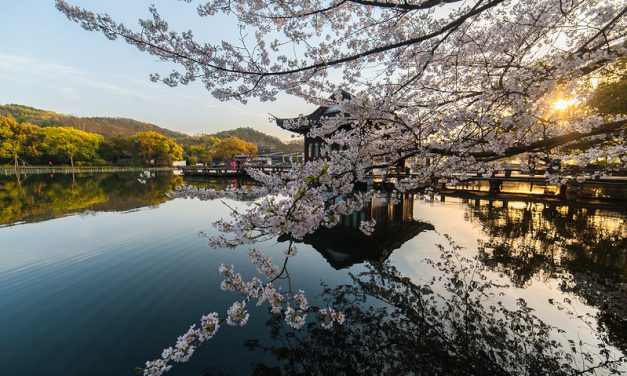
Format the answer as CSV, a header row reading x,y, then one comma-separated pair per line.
x,y
149,276
583,248
453,324
346,245
458,322
42,197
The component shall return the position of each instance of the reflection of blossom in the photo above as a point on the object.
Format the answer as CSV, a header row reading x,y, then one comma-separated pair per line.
x,y
291,251
301,300
295,318
329,316
367,227
452,323
143,177
274,298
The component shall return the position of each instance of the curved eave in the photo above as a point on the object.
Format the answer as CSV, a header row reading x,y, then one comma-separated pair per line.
x,y
312,118
281,123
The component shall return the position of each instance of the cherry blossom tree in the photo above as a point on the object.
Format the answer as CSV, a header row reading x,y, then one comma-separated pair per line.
x,y
447,86
466,83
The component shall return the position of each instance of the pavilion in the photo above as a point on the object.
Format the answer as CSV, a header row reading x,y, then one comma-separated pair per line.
x,y
313,145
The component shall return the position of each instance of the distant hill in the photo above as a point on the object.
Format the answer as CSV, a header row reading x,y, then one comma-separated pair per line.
x,y
262,140
106,126
111,127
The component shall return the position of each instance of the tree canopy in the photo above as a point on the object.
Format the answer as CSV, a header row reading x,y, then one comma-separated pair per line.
x,y
69,144
260,139
610,96
23,142
17,140
228,147
155,148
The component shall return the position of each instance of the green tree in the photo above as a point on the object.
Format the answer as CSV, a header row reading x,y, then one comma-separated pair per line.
x,y
231,146
154,148
201,150
197,153
70,143
17,139
118,150
610,97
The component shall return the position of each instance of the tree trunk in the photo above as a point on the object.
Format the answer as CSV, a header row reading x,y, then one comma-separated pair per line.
x,y
17,174
72,163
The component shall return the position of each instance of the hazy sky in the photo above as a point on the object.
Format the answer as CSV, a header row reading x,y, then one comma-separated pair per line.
x,y
49,62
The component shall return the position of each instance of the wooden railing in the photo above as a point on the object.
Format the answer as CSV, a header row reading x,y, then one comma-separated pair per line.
x,y
227,172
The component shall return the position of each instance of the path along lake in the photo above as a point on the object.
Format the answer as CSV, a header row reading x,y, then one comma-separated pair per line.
x,y
99,273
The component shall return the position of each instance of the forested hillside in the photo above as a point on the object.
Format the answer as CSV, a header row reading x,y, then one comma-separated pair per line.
x,y
261,139
112,128
105,126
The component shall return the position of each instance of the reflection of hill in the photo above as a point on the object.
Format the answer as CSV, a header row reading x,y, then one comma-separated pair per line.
x,y
585,247
43,197
345,244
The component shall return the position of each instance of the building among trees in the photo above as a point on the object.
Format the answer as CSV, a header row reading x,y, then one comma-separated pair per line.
x,y
314,146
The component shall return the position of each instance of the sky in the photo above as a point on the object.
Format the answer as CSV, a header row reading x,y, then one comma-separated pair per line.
x,y
49,62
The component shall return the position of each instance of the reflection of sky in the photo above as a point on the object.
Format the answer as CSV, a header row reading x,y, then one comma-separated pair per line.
x,y
65,239
450,218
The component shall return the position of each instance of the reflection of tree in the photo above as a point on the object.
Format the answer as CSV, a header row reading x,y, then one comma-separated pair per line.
x,y
221,183
453,324
586,247
41,197
345,244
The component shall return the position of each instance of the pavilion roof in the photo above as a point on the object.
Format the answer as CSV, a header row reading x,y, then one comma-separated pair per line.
x,y
313,118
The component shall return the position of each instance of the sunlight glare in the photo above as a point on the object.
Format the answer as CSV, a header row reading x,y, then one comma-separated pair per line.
x,y
561,104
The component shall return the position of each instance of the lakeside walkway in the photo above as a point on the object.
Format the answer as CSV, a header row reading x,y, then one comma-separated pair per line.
x,y
28,170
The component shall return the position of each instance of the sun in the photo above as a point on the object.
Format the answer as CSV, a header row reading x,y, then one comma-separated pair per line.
x,y
561,104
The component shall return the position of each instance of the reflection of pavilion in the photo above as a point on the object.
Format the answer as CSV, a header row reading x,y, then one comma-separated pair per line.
x,y
345,244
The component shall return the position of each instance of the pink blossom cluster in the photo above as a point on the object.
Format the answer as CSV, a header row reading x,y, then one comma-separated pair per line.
x,y
185,346
237,314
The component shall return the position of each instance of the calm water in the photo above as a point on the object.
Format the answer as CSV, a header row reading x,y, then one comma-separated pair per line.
x,y
99,273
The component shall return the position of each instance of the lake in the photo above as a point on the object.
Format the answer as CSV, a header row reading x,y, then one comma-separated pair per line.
x,y
99,273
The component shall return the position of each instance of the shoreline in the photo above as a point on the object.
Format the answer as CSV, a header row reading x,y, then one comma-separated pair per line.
x,y
10,170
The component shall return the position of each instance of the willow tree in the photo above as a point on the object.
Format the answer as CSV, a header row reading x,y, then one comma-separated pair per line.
x,y
464,85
